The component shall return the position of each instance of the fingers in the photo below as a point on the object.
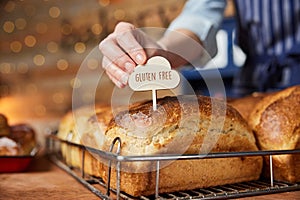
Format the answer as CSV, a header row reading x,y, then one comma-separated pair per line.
x,y
127,39
115,73
121,53
112,51
122,47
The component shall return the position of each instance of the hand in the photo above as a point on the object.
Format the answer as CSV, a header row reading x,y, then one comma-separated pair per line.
x,y
125,48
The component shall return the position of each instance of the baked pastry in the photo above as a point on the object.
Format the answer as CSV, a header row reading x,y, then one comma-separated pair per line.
x,y
18,139
276,122
180,125
8,147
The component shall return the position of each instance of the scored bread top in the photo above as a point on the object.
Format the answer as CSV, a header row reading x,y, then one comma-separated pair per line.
x,y
181,124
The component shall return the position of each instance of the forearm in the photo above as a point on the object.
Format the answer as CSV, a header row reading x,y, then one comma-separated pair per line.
x,y
199,22
183,46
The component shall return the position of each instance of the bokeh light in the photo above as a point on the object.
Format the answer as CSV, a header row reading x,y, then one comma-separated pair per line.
x,y
104,2
119,14
16,46
30,41
52,47
97,29
41,28
10,6
66,29
62,64
54,12
39,60
58,97
75,83
5,68
92,63
22,68
8,26
20,23
79,47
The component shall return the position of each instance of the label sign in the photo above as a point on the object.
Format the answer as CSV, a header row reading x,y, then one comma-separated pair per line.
x,y
156,74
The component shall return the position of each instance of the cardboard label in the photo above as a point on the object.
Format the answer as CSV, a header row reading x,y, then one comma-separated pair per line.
x,y
156,74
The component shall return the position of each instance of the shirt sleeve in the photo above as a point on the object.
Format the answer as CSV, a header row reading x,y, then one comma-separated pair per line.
x,y
202,17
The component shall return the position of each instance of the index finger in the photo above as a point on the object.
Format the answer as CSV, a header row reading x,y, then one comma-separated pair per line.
x,y
127,40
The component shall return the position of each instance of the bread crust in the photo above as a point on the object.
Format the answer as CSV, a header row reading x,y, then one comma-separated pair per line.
x,y
276,122
245,105
181,125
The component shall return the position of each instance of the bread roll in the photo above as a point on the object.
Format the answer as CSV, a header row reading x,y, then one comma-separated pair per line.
x,y
276,122
181,125
245,105
8,147
18,139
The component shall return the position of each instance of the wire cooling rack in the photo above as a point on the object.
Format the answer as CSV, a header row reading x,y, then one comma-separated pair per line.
x,y
104,191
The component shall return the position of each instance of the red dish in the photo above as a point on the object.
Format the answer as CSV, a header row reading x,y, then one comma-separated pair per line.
x,y
10,164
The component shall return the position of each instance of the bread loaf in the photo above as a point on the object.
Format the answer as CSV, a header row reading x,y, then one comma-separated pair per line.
x,y
245,105
276,122
181,125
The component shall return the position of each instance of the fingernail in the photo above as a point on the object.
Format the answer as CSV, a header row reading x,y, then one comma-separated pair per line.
x,y
140,58
119,84
129,67
124,79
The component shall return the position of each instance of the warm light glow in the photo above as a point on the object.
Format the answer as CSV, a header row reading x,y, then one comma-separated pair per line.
x,y
54,12
75,83
58,98
31,88
20,23
66,29
119,14
16,46
40,110
39,59
92,63
62,64
97,29
41,28
30,40
22,68
5,68
52,47
8,27
10,6
104,2
79,47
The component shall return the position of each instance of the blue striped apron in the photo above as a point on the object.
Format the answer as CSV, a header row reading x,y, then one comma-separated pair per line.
x,y
269,33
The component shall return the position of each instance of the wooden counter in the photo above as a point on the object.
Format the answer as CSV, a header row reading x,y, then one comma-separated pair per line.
x,y
44,180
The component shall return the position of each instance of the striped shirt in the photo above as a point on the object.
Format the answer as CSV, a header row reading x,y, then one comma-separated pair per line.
x,y
268,32
272,26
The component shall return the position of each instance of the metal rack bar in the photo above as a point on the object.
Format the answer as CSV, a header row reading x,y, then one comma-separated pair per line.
x,y
166,157
251,188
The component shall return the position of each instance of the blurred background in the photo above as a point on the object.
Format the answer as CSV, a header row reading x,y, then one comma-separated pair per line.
x,y
44,42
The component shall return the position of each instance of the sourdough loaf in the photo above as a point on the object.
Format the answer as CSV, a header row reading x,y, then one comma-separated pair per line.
x,y
245,105
276,122
181,125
